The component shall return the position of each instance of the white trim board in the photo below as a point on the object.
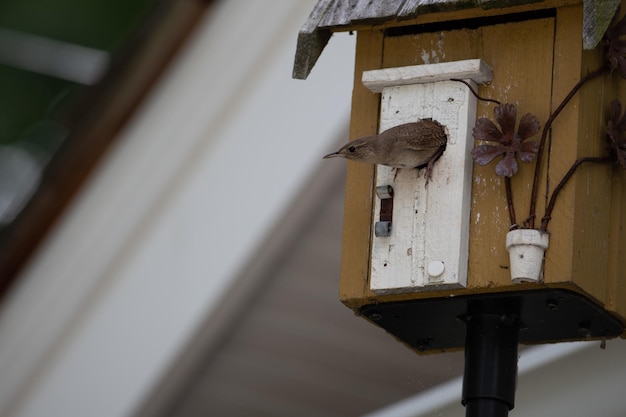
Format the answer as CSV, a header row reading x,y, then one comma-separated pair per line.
x,y
146,251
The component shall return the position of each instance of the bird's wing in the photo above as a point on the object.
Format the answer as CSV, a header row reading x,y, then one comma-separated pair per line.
x,y
424,134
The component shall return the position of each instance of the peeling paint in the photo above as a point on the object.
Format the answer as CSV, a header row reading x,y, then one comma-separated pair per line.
x,y
414,204
437,52
440,45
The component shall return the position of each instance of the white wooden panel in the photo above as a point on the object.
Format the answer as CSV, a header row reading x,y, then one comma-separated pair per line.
x,y
430,226
475,69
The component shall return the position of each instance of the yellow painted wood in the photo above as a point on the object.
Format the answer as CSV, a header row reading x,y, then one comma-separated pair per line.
x,y
592,185
359,182
616,286
586,227
535,63
521,55
520,52
568,55
616,274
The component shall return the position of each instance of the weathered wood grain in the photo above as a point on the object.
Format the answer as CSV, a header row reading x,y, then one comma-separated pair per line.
x,y
597,16
430,225
341,15
311,41
474,69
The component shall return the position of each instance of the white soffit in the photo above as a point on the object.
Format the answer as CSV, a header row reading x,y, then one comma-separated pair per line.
x,y
192,186
557,380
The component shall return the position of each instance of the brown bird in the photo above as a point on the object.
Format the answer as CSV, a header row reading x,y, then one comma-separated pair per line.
x,y
411,145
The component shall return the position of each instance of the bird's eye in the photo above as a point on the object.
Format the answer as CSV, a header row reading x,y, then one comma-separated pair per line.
x,y
351,149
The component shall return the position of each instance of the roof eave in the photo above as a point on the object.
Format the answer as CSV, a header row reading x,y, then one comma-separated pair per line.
x,y
328,16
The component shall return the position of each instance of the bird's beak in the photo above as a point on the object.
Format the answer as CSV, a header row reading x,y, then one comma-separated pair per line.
x,y
332,155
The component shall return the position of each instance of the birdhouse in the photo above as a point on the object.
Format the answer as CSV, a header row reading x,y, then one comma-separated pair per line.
x,y
525,209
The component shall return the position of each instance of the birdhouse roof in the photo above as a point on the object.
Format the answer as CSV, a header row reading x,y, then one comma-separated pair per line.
x,y
329,16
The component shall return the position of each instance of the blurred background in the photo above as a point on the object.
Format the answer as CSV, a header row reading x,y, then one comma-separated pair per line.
x,y
170,238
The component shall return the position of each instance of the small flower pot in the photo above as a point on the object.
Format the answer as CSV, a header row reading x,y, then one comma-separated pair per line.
x,y
526,249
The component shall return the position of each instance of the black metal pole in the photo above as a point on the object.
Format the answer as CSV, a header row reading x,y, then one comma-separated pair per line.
x,y
490,360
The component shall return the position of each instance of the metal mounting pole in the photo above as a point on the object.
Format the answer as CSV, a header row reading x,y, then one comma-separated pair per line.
x,y
488,326
490,360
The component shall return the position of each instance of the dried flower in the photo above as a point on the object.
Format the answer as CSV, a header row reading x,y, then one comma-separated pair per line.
x,y
510,143
616,47
616,129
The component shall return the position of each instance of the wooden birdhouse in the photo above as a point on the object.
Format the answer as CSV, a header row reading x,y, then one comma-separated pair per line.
x,y
417,254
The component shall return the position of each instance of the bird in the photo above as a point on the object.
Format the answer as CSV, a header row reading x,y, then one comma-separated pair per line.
x,y
411,145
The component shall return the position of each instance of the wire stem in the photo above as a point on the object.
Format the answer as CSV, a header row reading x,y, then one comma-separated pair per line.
x,y
544,134
474,92
548,215
509,202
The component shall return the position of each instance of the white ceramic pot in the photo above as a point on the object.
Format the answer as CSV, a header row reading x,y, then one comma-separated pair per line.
x,y
526,249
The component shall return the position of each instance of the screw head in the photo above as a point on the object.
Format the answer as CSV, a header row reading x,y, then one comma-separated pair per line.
x,y
552,304
423,343
375,316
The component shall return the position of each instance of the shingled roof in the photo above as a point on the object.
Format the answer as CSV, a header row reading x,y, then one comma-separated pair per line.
x,y
329,16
